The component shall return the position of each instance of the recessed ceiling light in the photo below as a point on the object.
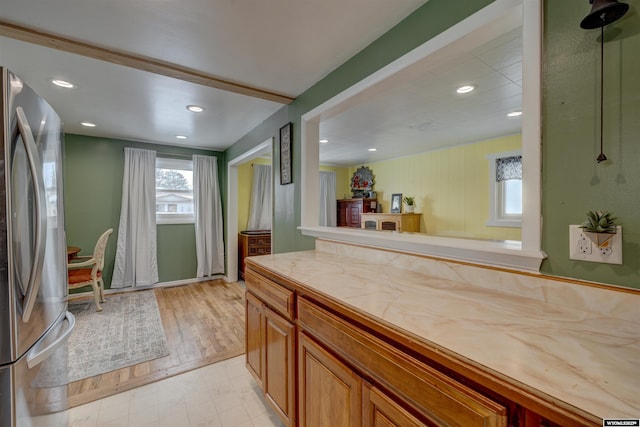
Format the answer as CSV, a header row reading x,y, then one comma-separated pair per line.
x,y
324,141
373,149
195,108
465,89
63,83
88,124
181,137
514,113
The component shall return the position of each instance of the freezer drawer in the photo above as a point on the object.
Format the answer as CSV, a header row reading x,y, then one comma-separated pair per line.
x,y
23,401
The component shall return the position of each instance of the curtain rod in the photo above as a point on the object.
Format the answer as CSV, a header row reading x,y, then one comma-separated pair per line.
x,y
186,156
164,153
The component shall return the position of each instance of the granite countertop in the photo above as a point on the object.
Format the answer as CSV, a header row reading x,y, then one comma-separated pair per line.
x,y
584,359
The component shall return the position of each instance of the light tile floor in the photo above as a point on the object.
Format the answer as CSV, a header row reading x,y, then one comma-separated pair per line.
x,y
220,395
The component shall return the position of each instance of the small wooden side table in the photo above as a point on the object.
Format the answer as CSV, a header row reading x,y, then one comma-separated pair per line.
x,y
72,252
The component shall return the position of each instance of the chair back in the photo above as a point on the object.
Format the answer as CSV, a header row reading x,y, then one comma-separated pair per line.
x,y
100,249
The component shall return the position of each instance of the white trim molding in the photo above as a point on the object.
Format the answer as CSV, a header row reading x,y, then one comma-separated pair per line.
x,y
496,18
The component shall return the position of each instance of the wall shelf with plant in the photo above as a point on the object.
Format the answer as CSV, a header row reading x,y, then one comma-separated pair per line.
x,y
599,227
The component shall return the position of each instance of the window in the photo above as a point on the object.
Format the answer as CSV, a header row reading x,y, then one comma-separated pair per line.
x,y
174,191
49,175
505,189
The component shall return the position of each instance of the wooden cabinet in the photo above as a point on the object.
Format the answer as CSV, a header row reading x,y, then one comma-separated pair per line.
x,y
279,354
270,343
349,211
436,397
352,371
407,222
330,394
379,410
254,326
251,243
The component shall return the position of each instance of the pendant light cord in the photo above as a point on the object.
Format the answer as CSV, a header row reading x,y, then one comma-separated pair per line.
x,y
602,156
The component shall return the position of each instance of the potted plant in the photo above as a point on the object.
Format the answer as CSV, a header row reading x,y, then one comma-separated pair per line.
x,y
599,226
409,203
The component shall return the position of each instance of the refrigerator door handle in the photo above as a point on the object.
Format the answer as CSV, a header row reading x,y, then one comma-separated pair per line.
x,y
36,355
33,286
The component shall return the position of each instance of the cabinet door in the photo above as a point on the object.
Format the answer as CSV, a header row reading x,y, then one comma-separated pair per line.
x,y
342,213
354,215
254,330
380,410
279,365
330,394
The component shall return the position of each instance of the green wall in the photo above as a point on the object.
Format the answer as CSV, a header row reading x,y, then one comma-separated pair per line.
x,y
427,21
93,171
286,205
572,183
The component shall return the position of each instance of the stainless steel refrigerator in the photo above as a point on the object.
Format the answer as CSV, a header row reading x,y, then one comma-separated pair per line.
x,y
34,321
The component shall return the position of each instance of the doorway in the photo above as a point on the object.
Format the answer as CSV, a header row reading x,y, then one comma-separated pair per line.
x,y
263,149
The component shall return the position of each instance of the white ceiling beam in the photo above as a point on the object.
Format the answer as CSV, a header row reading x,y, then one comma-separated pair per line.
x,y
139,62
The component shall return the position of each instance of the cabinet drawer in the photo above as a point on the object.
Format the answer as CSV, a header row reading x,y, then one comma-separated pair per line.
x,y
259,250
259,240
434,394
389,225
277,297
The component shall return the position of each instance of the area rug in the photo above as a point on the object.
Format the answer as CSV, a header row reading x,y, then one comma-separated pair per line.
x,y
128,331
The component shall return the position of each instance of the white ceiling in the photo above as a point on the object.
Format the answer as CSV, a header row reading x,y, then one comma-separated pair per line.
x,y
280,46
418,110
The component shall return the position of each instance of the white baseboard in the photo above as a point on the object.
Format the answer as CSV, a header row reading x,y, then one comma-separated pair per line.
x,y
154,286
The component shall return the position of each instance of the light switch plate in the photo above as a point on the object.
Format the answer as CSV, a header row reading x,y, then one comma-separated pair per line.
x,y
581,248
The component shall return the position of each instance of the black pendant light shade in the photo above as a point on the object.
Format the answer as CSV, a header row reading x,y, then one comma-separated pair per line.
x,y
603,12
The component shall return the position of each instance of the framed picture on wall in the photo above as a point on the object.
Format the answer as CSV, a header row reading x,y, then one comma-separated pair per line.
x,y
285,154
396,202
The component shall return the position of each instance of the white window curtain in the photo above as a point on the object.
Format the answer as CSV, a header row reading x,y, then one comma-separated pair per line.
x,y
328,204
260,208
136,254
208,216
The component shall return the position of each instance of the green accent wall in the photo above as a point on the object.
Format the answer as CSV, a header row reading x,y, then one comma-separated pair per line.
x,y
286,205
93,170
427,21
572,182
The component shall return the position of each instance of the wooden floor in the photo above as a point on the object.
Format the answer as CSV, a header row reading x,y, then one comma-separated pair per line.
x,y
203,323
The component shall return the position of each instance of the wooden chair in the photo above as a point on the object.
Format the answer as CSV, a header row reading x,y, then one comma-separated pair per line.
x,y
88,271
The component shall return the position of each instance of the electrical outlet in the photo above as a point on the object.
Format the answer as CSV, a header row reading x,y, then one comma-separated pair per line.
x,y
584,244
581,248
605,251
